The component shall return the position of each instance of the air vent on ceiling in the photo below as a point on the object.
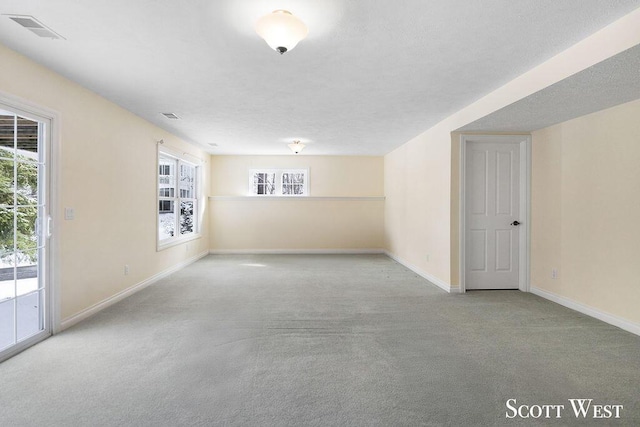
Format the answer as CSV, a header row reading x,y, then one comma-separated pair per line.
x,y
170,116
35,26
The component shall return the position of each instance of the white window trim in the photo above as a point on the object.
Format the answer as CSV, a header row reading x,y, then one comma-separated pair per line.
x,y
179,239
278,182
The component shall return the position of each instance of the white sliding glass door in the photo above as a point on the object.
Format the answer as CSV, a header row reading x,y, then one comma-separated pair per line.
x,y
24,225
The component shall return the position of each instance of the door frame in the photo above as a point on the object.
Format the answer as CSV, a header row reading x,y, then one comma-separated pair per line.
x,y
525,203
52,180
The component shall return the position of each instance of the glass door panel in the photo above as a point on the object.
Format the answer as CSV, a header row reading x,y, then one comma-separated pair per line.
x,y
7,320
23,290
28,315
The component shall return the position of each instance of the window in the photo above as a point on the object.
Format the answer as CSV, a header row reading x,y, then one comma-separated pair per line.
x,y
166,206
166,192
177,199
293,183
264,183
279,182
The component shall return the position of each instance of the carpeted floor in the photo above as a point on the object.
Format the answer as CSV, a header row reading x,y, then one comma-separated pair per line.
x,y
297,340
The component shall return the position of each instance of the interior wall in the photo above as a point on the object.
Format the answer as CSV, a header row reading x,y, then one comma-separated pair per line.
x,y
585,210
108,175
417,210
345,210
104,149
422,176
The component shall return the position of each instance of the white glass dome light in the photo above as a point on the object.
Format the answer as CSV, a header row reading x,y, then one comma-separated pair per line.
x,y
296,146
281,30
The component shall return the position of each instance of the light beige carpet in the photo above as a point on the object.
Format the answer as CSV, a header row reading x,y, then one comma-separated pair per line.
x,y
318,341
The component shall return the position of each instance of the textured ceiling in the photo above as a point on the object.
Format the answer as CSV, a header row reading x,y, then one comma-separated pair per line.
x,y
609,83
371,75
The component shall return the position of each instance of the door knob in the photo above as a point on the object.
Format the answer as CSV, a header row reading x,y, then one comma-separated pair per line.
x,y
516,223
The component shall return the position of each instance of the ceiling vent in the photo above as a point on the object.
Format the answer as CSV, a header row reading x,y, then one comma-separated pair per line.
x,y
170,116
35,26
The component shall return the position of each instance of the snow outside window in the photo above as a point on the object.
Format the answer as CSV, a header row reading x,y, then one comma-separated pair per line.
x,y
177,199
279,182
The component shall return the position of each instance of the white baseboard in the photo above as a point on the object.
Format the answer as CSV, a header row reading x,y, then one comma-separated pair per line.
x,y
90,311
295,251
611,319
439,283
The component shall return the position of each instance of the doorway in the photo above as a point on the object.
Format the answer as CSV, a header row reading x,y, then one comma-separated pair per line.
x,y
25,229
494,212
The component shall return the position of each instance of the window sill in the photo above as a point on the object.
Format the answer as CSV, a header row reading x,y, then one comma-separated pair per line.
x,y
160,246
258,198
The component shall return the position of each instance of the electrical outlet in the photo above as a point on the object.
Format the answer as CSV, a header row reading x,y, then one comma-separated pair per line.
x,y
554,273
428,257
126,269
186,247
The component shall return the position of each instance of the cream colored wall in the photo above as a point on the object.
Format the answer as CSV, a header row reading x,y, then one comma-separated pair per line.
x,y
421,176
585,210
108,175
417,209
419,180
345,210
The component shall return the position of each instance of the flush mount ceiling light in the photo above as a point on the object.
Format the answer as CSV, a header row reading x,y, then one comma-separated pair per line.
x,y
281,30
296,146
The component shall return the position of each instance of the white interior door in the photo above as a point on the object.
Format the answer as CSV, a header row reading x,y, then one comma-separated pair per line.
x,y
492,215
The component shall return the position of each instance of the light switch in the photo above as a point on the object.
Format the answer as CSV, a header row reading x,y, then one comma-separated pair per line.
x,y
69,214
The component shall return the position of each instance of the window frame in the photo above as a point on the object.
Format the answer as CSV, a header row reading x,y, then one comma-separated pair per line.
x,y
252,174
179,160
279,186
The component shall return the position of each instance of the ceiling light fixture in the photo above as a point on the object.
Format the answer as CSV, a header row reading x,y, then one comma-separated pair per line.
x,y
281,30
296,146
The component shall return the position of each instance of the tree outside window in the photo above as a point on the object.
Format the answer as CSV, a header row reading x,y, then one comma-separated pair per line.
x,y
18,193
279,182
177,188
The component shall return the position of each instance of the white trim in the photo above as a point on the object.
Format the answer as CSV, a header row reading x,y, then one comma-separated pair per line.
x,y
53,161
525,212
55,180
296,251
90,311
177,241
329,198
462,225
525,203
439,283
179,154
611,319
23,345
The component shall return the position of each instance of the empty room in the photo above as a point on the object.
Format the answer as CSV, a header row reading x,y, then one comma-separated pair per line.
x,y
319,213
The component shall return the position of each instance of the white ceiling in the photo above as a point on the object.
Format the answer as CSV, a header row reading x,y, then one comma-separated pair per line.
x,y
609,83
371,75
